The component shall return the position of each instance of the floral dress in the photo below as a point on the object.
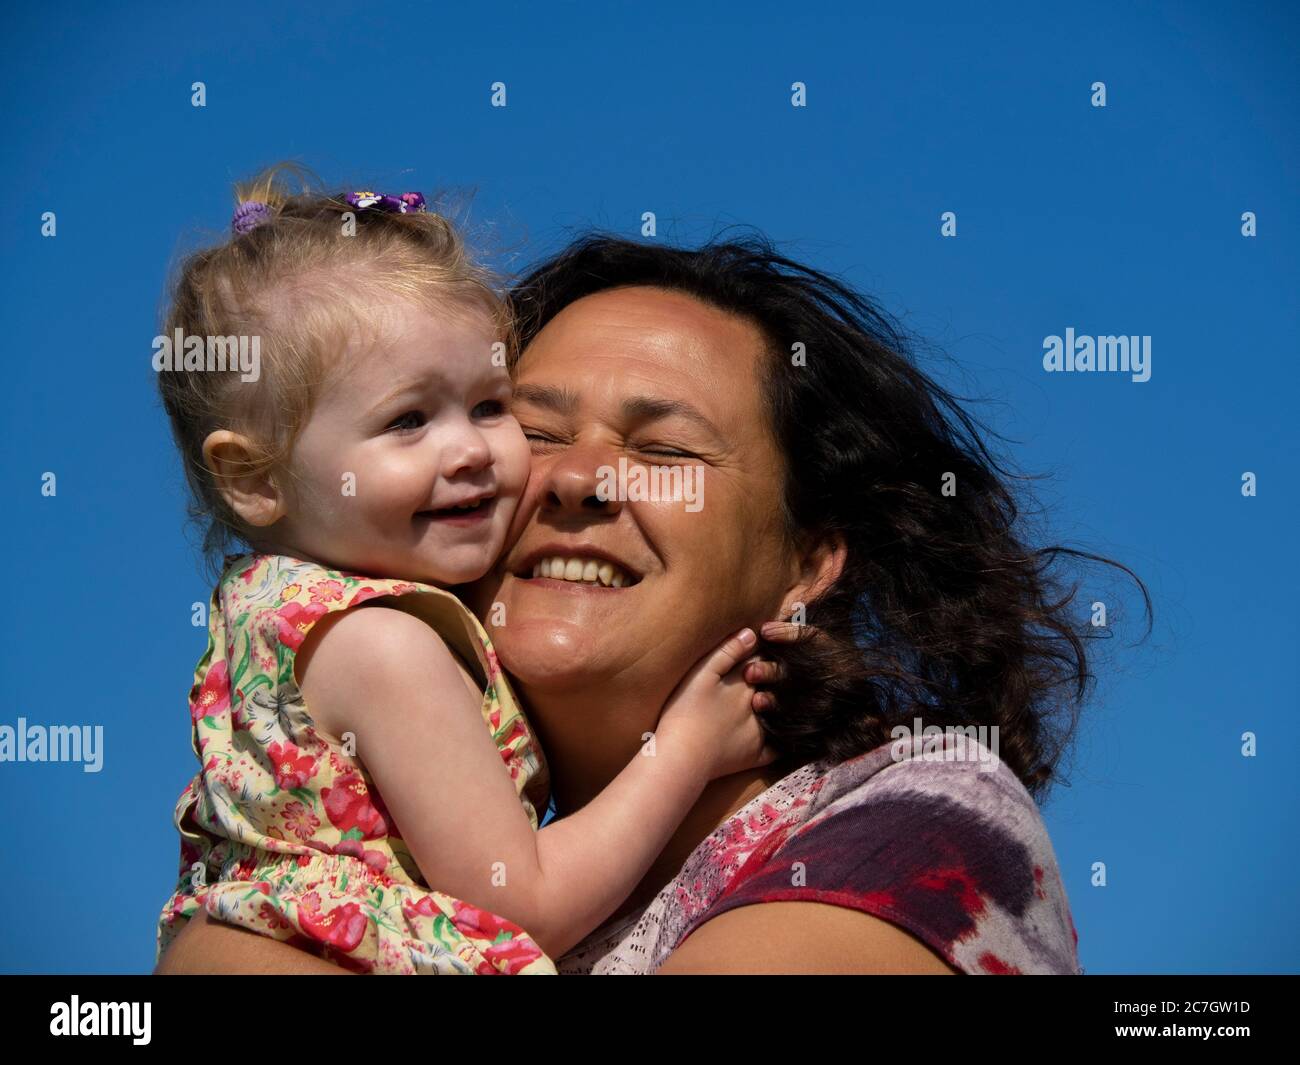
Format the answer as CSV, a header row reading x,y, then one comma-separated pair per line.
x,y
282,830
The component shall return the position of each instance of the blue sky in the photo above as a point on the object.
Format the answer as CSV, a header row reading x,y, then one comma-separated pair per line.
x,y
1116,220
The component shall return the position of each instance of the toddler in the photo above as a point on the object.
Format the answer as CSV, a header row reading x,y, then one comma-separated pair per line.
x,y
362,449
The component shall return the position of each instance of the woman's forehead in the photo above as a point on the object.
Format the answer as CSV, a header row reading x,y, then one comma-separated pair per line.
x,y
646,334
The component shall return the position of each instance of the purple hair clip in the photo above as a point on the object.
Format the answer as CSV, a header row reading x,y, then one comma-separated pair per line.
x,y
249,215
406,203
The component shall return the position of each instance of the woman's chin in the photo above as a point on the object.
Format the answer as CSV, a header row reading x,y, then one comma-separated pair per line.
x,y
549,653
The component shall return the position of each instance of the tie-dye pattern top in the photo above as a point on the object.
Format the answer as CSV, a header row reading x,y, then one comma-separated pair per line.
x,y
952,851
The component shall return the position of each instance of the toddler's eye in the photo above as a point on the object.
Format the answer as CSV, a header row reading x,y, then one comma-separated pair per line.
x,y
409,421
489,408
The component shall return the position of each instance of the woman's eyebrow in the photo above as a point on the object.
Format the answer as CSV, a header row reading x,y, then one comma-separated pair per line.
x,y
563,400
549,397
647,409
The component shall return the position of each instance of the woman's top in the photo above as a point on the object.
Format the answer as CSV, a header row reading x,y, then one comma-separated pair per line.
x,y
282,829
950,850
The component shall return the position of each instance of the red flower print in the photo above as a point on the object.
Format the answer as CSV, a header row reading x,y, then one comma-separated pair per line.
x,y
299,820
293,620
364,594
375,860
213,695
327,591
515,952
423,908
272,916
517,731
292,768
344,926
349,806
474,920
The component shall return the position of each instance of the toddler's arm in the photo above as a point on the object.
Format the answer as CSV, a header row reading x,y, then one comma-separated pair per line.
x,y
388,678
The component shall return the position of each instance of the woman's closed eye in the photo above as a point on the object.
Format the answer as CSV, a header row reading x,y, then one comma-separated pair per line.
x,y
663,450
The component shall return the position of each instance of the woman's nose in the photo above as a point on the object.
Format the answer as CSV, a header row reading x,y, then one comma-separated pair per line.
x,y
581,479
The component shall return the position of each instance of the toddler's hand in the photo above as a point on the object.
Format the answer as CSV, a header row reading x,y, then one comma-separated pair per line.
x,y
760,672
711,712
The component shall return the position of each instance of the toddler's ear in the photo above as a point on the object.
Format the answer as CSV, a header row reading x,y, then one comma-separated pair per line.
x,y
249,491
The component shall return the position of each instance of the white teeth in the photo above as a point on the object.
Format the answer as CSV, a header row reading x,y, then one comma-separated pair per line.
x,y
581,570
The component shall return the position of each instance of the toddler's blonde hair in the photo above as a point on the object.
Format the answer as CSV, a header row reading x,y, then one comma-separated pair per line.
x,y
303,286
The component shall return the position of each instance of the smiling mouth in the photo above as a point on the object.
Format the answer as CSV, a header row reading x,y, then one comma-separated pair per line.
x,y
479,509
581,570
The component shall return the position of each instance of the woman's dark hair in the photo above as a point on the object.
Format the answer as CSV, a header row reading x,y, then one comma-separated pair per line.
x,y
942,610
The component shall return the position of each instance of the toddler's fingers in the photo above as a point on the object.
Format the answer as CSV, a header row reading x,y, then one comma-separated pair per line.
x,y
763,671
763,701
781,631
730,653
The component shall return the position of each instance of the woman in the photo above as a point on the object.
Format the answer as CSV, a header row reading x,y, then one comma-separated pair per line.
x,y
845,490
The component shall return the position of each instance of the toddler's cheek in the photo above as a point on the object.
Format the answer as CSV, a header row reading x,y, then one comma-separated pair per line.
x,y
514,459
512,518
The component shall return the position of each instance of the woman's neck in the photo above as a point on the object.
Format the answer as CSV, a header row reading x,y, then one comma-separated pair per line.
x,y
588,740
718,803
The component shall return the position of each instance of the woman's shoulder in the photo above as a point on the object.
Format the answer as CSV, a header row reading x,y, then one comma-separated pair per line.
x,y
942,841
939,837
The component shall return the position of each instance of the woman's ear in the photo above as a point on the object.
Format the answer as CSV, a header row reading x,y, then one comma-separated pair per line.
x,y
253,496
820,567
